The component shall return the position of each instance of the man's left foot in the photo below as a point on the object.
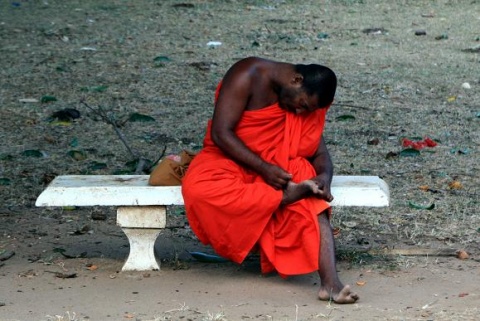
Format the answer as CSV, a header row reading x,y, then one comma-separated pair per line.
x,y
297,191
344,296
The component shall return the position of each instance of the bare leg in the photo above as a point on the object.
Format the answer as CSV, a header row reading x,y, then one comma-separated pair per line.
x,y
295,192
331,287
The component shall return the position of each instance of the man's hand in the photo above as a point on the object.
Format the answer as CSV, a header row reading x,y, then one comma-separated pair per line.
x,y
323,184
275,176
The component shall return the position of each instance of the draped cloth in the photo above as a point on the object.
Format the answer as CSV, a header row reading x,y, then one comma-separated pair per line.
x,y
232,208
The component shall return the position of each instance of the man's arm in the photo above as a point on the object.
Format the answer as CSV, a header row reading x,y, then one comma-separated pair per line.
x,y
232,101
323,165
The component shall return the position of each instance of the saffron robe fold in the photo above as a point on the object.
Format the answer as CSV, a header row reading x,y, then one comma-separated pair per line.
x,y
234,210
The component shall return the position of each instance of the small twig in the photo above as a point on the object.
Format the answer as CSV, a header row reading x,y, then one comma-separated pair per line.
x,y
351,106
364,107
414,252
159,158
122,138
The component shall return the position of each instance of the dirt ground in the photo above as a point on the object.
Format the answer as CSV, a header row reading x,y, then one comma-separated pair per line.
x,y
405,68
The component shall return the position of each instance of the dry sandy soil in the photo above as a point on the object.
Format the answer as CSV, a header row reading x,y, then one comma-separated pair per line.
x,y
405,69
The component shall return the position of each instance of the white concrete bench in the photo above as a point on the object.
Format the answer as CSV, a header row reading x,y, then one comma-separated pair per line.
x,y
141,208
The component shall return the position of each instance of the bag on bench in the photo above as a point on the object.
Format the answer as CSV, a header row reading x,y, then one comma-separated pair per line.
x,y
171,169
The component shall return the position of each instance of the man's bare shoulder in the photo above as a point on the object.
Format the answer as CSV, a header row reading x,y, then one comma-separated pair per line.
x,y
250,65
252,61
248,70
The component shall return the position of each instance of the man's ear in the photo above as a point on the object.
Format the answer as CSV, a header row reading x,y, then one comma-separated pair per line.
x,y
297,79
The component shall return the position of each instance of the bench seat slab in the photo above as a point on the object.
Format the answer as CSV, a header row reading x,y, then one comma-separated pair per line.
x,y
107,190
133,190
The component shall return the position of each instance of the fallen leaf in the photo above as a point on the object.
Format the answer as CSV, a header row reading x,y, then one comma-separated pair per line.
x,y
410,152
361,283
129,316
455,185
322,36
74,142
32,153
421,207
97,165
336,231
161,59
462,255
424,188
430,142
443,36
183,5
92,267
46,99
451,99
418,144
140,118
67,115
391,155
77,155
345,117
60,123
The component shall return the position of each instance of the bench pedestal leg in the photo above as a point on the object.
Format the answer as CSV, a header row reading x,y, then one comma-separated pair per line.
x,y
141,225
142,254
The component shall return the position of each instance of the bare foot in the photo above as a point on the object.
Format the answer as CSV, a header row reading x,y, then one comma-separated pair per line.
x,y
295,192
344,296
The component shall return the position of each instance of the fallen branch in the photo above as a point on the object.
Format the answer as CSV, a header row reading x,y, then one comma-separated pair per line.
x,y
143,165
109,119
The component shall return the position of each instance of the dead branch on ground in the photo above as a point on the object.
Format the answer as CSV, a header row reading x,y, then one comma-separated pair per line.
x,y
142,164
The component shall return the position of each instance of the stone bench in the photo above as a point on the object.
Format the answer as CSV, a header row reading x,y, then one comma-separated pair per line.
x,y
141,208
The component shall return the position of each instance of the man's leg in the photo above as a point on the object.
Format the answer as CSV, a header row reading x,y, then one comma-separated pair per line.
x,y
331,287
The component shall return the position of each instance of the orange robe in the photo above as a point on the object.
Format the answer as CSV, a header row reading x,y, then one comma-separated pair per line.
x,y
233,209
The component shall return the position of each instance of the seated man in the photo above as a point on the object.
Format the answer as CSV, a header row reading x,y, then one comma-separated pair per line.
x,y
262,180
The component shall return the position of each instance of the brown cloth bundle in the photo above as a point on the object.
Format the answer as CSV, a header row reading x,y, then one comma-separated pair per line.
x,y
170,170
